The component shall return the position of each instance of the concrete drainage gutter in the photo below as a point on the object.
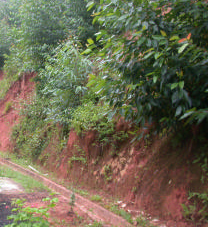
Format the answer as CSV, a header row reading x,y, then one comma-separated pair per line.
x,y
95,211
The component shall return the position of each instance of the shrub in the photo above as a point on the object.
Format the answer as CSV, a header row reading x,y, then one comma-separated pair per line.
x,y
159,49
92,117
32,133
64,81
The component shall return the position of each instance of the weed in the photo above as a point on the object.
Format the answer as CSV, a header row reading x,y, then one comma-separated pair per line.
x,y
142,221
82,192
115,209
96,198
108,173
80,158
95,224
72,201
197,210
134,189
8,107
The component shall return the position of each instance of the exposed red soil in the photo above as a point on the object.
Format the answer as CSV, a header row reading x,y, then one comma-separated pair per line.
x,y
143,176
20,91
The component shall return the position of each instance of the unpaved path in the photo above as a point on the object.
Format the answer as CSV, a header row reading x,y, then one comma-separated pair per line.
x,y
93,210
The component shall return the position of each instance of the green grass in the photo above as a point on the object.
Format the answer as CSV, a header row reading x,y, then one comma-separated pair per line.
x,y
19,160
143,222
115,209
82,192
28,183
95,224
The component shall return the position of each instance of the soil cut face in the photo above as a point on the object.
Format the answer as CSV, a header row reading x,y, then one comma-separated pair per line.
x,y
21,90
152,176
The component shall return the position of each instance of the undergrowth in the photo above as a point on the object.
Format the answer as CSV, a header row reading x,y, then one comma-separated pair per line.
x,y
33,133
95,117
197,209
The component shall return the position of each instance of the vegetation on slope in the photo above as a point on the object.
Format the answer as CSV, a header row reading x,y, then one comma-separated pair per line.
x,y
144,60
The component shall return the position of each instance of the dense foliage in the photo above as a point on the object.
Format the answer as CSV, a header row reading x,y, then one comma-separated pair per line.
x,y
30,29
159,49
63,81
148,61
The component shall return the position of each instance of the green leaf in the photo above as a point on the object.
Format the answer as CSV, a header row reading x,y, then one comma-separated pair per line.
x,y
154,79
163,33
158,55
90,41
90,5
178,111
148,55
182,48
173,86
158,37
87,51
123,17
98,36
187,114
175,37
181,84
148,50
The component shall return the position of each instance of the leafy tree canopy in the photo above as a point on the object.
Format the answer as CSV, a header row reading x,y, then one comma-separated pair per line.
x,y
159,49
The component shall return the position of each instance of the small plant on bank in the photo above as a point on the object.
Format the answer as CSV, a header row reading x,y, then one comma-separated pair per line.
x,y
96,198
72,201
197,209
108,173
82,192
115,209
32,134
8,107
141,221
95,224
80,157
